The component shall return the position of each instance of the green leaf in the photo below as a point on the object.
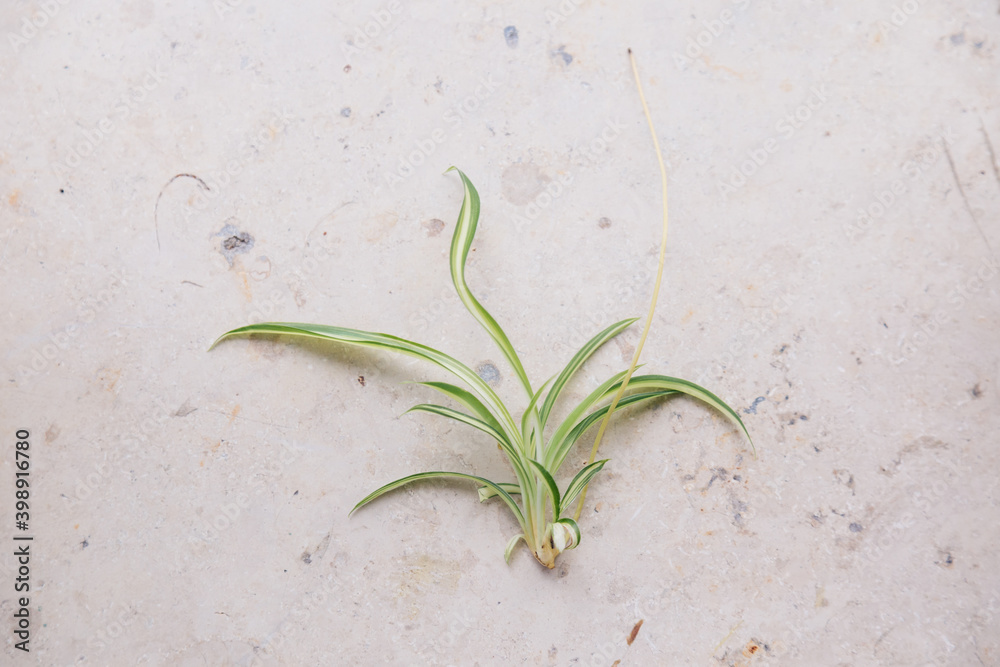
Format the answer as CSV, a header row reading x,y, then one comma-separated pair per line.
x,y
396,344
461,417
580,481
531,414
466,398
557,457
664,382
575,415
461,242
551,484
578,360
515,457
486,492
510,547
646,386
436,475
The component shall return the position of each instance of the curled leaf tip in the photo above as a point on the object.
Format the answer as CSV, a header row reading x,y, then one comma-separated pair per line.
x,y
216,342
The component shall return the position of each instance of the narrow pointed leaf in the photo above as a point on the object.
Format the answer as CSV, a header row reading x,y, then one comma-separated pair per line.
x,y
515,457
388,342
551,484
510,547
461,242
557,457
581,480
466,398
660,382
403,481
461,417
487,492
576,414
577,361
531,415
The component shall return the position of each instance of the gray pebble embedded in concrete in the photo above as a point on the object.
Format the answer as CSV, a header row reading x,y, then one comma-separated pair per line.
x,y
234,242
510,34
489,372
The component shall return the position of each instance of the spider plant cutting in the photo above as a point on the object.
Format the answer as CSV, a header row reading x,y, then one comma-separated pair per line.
x,y
535,451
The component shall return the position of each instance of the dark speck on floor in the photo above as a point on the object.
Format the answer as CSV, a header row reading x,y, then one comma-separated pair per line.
x,y
234,242
717,473
346,112
560,54
856,527
738,507
510,34
752,410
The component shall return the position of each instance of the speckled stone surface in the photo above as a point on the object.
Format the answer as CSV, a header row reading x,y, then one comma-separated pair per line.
x,y
172,170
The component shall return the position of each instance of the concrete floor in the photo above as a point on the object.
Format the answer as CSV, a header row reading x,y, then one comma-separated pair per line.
x,y
172,170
